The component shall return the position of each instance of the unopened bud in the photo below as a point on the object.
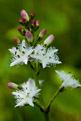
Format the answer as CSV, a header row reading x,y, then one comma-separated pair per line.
x,y
32,14
20,21
49,40
33,23
20,29
37,23
24,20
42,33
16,40
29,36
12,85
24,14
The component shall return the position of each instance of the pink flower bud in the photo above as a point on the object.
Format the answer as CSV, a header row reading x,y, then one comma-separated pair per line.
x,y
16,40
12,85
20,20
37,23
24,14
24,20
49,40
42,33
20,29
29,36
32,14
33,22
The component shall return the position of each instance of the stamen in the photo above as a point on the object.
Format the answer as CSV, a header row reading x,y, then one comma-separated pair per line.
x,y
42,49
16,48
15,52
23,52
18,56
24,47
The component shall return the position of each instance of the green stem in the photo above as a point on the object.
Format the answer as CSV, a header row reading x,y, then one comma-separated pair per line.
x,y
46,114
36,80
36,72
55,95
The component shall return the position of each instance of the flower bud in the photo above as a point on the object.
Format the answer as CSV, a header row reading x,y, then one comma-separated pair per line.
x,y
20,21
29,36
12,85
20,29
24,14
16,40
42,33
37,23
32,14
33,22
49,40
24,20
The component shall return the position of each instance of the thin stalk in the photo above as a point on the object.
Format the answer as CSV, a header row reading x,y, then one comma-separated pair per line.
x,y
55,95
46,114
36,80
36,73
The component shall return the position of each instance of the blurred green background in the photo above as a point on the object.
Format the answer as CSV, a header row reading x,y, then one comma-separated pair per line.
x,y
63,19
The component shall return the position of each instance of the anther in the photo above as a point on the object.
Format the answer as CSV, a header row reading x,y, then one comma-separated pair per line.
x,y
23,52
18,56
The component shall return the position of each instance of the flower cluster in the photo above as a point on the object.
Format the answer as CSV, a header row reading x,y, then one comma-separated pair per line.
x,y
37,51
30,49
27,94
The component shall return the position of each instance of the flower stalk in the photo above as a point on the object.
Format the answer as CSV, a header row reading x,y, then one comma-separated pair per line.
x,y
37,52
46,114
55,95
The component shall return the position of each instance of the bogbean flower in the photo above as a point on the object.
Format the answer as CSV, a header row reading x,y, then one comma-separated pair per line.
x,y
28,94
45,56
68,80
21,53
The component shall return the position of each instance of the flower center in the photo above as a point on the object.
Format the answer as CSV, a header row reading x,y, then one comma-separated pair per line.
x,y
45,56
22,54
26,96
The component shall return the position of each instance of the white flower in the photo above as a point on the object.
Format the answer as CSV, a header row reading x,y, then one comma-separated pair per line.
x,y
45,56
68,80
21,53
28,93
